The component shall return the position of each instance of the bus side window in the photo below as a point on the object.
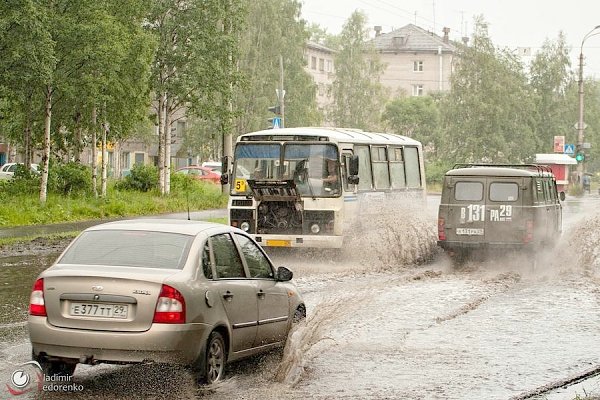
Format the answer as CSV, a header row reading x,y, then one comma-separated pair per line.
x,y
397,176
381,175
412,166
364,169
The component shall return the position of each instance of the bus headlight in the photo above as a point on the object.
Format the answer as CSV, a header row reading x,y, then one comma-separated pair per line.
x,y
245,226
315,228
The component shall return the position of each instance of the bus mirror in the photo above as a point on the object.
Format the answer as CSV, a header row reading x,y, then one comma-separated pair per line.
x,y
562,196
224,179
224,165
353,179
353,165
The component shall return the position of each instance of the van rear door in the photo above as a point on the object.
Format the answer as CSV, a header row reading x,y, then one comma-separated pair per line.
x,y
466,210
504,220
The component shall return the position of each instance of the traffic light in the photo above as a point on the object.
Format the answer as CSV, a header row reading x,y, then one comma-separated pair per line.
x,y
275,122
580,157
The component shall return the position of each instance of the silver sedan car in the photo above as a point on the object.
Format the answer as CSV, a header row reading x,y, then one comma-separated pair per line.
x,y
184,292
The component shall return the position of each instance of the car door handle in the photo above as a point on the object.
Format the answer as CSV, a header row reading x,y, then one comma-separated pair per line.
x,y
228,295
261,294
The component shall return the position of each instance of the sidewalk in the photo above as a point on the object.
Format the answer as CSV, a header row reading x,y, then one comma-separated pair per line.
x,y
35,230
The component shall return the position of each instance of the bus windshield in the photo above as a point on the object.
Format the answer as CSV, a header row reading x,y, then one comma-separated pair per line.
x,y
314,167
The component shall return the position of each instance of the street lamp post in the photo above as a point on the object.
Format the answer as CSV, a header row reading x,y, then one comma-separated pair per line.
x,y
580,125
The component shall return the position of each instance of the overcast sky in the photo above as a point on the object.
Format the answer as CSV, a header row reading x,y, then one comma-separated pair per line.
x,y
512,23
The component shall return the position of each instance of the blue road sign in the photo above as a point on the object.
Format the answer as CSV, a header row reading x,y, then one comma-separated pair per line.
x,y
569,149
276,122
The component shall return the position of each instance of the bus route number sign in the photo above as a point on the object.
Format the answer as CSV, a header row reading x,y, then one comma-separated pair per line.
x,y
240,185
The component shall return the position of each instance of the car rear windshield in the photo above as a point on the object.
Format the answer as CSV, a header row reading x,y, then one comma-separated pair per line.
x,y
144,249
468,191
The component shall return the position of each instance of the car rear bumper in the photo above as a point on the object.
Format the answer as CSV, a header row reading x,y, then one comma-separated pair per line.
x,y
168,343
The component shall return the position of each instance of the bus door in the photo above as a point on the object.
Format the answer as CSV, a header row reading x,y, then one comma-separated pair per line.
x,y
350,197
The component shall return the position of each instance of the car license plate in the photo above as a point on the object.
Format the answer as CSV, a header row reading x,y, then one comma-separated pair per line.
x,y
279,243
99,310
469,231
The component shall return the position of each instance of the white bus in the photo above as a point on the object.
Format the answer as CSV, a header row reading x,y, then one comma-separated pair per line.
x,y
304,187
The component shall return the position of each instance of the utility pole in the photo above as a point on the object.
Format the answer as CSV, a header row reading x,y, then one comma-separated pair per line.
x,y
580,123
281,92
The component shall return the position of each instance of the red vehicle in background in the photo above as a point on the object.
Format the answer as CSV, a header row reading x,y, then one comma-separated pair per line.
x,y
201,173
559,164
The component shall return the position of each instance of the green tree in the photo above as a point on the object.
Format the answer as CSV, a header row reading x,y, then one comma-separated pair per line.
x,y
417,117
274,30
488,114
550,76
193,69
358,95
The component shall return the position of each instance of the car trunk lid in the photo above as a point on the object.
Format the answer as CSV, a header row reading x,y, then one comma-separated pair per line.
x,y
102,298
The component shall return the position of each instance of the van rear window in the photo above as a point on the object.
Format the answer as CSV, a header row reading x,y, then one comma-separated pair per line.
x,y
468,191
504,191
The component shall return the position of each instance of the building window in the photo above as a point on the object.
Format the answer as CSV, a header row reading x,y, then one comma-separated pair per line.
x,y
417,90
418,66
329,66
313,62
321,89
321,64
139,158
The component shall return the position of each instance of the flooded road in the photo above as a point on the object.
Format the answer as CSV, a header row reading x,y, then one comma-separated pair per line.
x,y
380,326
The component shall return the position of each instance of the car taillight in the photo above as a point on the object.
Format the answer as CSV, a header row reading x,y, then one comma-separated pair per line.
x,y
441,229
528,237
170,307
37,306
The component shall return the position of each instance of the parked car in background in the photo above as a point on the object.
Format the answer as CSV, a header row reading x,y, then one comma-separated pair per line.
x,y
201,173
7,171
213,166
171,291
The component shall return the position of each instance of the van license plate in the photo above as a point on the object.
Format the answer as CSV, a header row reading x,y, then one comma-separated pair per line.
x,y
469,231
99,310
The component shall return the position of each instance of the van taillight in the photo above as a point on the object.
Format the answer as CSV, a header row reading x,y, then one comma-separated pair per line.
x,y
37,306
528,237
441,229
170,307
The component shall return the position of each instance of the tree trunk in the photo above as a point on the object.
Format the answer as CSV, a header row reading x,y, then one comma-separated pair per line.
x,y
161,141
94,153
78,145
167,170
104,159
46,153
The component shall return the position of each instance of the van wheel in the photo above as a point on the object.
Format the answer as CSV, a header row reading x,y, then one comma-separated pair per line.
x,y
214,365
459,257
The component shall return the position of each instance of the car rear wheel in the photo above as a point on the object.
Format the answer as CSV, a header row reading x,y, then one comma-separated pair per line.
x,y
55,368
214,367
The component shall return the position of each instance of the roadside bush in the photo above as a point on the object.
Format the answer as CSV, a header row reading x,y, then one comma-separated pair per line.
x,y
23,182
142,178
435,170
69,178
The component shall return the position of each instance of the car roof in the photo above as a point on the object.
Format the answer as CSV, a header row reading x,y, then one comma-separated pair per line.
x,y
181,226
495,171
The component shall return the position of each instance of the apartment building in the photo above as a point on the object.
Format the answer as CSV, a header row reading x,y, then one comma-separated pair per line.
x,y
319,64
417,62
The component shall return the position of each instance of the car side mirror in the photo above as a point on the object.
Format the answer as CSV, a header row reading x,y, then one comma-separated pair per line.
x,y
224,179
562,196
353,179
284,274
353,165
